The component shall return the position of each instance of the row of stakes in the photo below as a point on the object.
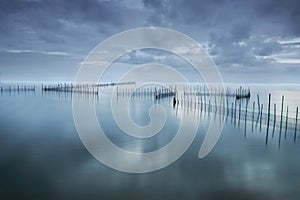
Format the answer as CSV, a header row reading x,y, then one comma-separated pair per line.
x,y
285,120
166,92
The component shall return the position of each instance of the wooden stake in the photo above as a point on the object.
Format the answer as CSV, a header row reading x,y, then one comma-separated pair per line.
x,y
295,134
269,105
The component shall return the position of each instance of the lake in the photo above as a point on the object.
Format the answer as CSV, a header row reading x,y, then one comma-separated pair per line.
x,y
42,156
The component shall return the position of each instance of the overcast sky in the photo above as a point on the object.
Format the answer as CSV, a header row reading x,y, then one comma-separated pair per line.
x,y
250,41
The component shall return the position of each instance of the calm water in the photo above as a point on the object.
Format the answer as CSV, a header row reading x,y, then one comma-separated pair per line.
x,y
42,157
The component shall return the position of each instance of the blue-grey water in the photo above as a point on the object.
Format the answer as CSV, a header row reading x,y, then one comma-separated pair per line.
x,y
42,157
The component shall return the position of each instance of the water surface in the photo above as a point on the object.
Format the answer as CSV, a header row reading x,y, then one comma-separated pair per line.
x,y
42,157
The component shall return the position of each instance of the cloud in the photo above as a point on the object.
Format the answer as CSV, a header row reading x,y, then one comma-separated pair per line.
x,y
248,34
287,41
56,53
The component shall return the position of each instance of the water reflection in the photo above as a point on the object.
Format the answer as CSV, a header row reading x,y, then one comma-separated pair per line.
x,y
42,156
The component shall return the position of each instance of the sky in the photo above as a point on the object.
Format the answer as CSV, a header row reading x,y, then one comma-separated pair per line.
x,y
250,41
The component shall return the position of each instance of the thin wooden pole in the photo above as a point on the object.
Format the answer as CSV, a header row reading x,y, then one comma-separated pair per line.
x,y
269,105
258,103
262,106
274,120
253,114
240,105
235,110
295,134
245,121
231,112
282,102
286,121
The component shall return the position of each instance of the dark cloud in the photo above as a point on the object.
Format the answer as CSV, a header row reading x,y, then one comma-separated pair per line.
x,y
235,32
54,22
241,31
287,13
